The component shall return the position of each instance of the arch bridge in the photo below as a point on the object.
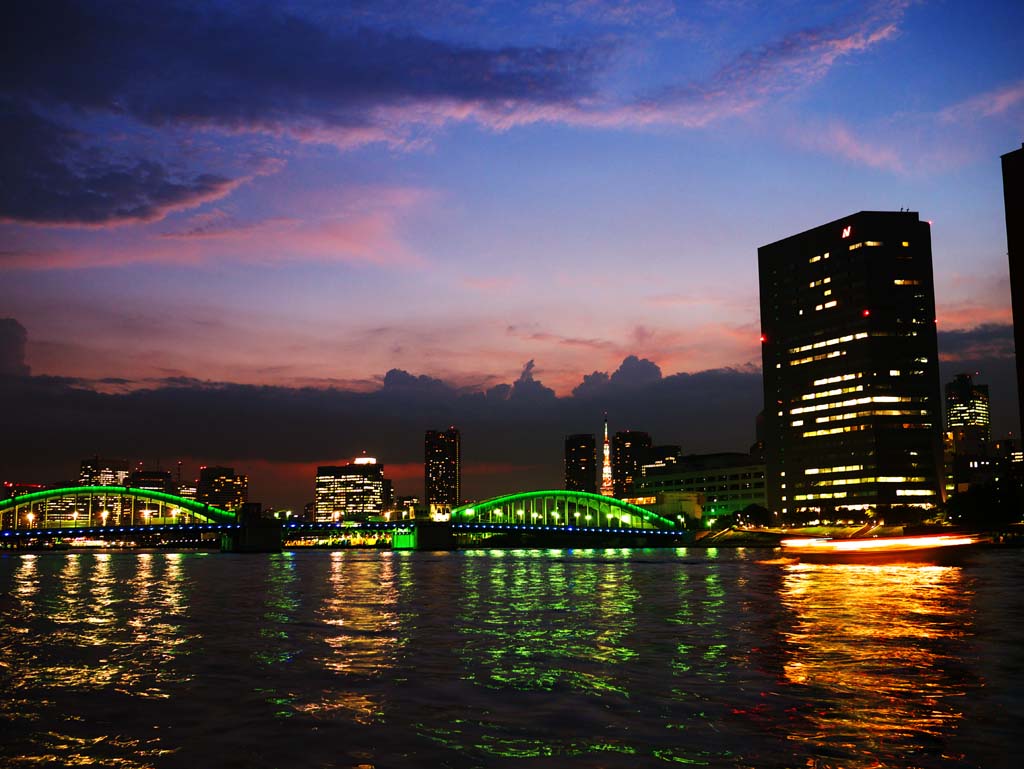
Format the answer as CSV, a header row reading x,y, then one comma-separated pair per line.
x,y
92,506
560,509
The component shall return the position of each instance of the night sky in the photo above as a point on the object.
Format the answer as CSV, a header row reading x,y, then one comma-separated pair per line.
x,y
276,235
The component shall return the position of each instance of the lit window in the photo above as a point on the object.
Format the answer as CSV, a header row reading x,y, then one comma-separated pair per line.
x,y
855,246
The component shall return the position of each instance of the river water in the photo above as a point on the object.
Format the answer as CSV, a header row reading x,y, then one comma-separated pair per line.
x,y
581,658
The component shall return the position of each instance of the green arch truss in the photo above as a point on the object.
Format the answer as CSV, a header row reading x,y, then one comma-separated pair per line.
x,y
561,508
86,505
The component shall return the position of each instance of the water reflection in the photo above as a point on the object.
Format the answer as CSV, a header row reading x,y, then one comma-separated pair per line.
x,y
362,637
877,649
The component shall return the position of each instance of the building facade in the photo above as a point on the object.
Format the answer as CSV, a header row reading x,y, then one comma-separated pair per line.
x,y
352,492
222,487
1013,198
98,471
442,469
581,463
629,452
968,435
850,364
724,483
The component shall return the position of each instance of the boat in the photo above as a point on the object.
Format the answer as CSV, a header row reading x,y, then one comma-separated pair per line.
x,y
932,548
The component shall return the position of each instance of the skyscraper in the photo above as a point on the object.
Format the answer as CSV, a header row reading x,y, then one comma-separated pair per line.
x,y
1013,198
354,491
221,487
103,472
850,364
442,469
581,463
607,486
967,409
629,453
969,432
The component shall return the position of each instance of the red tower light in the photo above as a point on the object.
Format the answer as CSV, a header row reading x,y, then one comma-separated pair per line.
x,y
866,313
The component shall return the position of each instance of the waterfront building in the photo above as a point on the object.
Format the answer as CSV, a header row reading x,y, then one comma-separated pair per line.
x,y
850,363
221,487
1013,198
724,483
354,491
581,462
442,470
629,452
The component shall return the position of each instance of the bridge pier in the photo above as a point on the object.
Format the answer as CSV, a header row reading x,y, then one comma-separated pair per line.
x,y
255,534
425,535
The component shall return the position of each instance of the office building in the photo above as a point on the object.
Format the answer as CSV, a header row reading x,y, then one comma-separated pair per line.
x,y
967,413
442,469
103,472
724,483
221,487
1013,198
581,463
968,435
152,480
629,452
850,364
351,492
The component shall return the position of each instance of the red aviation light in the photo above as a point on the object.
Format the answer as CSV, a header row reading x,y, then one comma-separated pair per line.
x,y
763,338
866,313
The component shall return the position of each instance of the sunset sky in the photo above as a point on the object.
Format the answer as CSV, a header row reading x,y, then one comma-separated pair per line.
x,y
283,202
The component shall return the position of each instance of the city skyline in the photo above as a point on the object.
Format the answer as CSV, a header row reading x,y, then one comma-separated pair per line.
x,y
528,217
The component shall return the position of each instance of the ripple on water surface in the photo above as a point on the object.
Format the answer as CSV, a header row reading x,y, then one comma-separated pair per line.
x,y
595,658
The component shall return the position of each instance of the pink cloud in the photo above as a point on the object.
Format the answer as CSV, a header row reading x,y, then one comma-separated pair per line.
x,y
993,103
364,230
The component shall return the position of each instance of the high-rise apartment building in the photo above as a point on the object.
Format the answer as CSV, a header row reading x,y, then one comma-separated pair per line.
x,y
221,487
1013,198
355,491
629,453
442,469
581,463
850,362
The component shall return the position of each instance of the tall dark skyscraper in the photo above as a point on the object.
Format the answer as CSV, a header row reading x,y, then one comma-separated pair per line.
x,y
1013,197
581,463
442,469
629,453
221,487
850,360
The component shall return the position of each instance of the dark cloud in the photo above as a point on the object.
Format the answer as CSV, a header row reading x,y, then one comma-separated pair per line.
x,y
989,340
51,177
513,426
527,388
12,348
634,372
234,68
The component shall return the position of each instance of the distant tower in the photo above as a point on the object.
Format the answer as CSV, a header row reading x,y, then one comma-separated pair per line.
x,y
607,488
581,463
442,469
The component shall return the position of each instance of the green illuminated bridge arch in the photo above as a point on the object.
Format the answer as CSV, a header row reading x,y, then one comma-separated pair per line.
x,y
559,508
87,506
